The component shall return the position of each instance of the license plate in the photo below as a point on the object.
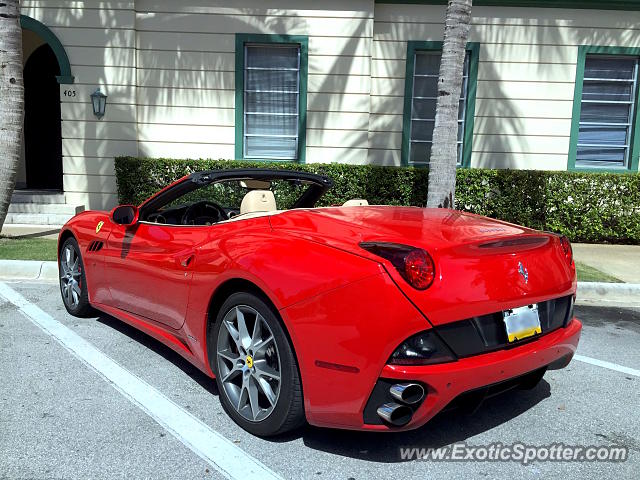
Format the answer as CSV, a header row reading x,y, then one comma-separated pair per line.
x,y
522,322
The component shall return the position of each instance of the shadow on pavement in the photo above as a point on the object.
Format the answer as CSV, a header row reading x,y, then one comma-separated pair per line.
x,y
619,317
446,428
203,380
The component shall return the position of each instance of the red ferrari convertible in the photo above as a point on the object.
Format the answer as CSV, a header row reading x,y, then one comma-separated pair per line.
x,y
354,316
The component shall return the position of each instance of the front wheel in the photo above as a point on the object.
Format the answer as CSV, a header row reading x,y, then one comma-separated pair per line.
x,y
256,369
73,282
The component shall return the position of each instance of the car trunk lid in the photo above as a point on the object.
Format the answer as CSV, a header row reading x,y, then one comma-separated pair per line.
x,y
482,265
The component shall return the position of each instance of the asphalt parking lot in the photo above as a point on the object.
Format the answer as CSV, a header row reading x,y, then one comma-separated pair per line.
x,y
61,419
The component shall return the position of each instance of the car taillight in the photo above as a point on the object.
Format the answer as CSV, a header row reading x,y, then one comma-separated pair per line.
x,y
415,265
419,269
566,248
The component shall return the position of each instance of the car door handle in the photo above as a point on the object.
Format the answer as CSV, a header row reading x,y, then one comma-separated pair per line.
x,y
186,260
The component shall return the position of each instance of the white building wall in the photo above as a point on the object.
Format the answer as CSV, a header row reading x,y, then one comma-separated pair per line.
x,y
168,69
99,39
186,73
526,76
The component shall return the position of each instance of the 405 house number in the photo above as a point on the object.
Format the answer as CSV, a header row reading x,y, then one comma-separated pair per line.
x,y
69,93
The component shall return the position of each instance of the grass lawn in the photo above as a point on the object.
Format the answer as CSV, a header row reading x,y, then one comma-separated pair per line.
x,y
28,248
590,274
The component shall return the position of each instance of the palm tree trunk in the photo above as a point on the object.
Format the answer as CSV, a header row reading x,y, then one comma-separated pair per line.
x,y
444,149
11,100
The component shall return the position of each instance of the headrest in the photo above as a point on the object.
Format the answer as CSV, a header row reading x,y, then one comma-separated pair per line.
x,y
258,201
355,202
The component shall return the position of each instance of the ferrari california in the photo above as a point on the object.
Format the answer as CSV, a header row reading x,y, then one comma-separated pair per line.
x,y
351,316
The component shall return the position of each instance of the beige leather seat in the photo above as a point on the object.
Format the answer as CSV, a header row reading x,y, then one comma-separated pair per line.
x,y
355,202
258,201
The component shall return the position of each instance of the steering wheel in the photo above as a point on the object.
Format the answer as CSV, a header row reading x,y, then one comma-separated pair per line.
x,y
191,213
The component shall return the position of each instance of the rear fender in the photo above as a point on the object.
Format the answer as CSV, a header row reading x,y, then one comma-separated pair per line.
x,y
287,270
343,339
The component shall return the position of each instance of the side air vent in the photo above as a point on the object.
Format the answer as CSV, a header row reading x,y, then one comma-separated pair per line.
x,y
95,246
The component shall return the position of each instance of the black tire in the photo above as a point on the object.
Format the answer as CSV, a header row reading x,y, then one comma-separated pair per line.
x,y
81,308
288,412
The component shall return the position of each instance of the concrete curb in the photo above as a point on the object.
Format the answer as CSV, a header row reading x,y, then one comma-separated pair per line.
x,y
588,292
602,293
28,270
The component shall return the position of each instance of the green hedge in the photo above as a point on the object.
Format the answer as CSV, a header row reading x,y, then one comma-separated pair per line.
x,y
587,207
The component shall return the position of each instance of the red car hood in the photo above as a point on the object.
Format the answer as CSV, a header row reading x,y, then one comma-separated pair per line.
x,y
477,258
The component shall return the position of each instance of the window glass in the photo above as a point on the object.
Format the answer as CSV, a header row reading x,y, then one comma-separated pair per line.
x,y
423,106
271,101
606,111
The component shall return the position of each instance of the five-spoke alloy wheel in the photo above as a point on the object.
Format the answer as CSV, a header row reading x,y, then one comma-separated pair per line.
x,y
256,370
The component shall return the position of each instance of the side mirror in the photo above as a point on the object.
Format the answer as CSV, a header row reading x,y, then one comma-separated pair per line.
x,y
124,215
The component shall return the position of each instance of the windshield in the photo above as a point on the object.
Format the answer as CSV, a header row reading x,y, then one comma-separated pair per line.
x,y
214,202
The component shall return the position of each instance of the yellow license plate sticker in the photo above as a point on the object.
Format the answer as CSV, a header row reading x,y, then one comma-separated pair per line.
x,y
522,322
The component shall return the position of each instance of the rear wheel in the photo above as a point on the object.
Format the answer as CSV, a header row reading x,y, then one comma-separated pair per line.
x,y
73,284
256,370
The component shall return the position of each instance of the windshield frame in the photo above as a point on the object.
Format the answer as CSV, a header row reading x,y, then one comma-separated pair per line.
x,y
317,186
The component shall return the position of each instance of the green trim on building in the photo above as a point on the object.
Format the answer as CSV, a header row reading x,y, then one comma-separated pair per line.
x,y
40,29
576,4
474,56
634,149
474,53
303,41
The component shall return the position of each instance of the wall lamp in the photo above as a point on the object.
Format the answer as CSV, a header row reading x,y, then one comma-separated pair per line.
x,y
99,102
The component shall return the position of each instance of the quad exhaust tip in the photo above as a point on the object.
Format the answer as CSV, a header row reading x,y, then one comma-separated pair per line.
x,y
395,414
407,393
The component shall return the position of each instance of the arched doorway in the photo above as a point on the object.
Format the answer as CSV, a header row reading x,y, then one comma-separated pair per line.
x,y
42,128
46,67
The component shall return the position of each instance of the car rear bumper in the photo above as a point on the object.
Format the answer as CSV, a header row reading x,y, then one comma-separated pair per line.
x,y
447,381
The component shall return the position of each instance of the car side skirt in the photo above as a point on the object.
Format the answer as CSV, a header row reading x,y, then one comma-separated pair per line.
x,y
160,333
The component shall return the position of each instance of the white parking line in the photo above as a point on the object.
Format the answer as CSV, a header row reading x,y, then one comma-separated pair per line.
x,y
609,365
220,453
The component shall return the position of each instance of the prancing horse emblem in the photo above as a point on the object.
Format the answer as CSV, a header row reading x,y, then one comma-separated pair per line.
x,y
524,272
99,226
